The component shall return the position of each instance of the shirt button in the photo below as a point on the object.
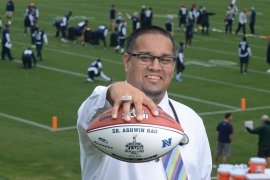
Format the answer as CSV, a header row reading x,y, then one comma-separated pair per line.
x,y
157,160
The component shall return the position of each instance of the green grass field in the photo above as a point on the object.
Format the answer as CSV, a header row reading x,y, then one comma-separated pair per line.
x,y
212,84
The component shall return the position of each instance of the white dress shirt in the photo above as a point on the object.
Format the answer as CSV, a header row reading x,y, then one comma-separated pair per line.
x,y
96,165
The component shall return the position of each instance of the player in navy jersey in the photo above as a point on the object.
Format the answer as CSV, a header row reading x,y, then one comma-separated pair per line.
x,y
121,36
27,57
148,17
34,10
80,30
63,26
268,54
180,62
95,70
193,14
56,24
6,44
101,34
252,20
118,20
27,23
244,52
182,15
135,20
40,39
199,17
10,9
189,33
142,15
112,17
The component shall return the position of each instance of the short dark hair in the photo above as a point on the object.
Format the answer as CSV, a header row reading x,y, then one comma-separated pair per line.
x,y
227,115
244,38
147,30
181,44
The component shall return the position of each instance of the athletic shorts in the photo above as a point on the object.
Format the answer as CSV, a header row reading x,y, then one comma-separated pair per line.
x,y
27,23
9,13
183,20
225,147
169,27
263,153
77,32
180,66
189,36
244,60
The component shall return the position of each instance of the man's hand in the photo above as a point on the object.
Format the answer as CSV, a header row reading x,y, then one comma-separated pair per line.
x,y
119,89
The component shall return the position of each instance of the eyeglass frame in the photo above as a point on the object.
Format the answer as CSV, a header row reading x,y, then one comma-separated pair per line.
x,y
155,57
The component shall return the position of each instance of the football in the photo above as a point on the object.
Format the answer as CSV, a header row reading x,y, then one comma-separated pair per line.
x,y
135,141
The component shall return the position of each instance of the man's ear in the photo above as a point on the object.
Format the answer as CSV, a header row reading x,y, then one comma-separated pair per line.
x,y
126,60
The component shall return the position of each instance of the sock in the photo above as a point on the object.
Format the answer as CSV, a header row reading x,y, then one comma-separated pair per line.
x,y
122,50
117,47
104,76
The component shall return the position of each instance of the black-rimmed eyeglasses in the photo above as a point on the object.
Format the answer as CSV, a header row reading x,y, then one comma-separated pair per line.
x,y
146,59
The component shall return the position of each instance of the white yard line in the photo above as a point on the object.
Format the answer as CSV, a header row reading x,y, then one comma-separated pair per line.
x,y
236,110
203,101
25,121
226,83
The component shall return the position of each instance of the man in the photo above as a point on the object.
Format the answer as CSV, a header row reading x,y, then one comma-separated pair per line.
x,y
268,54
149,70
148,17
199,16
180,62
252,20
234,8
40,38
6,44
112,18
193,14
34,10
189,33
169,23
182,15
244,52
264,141
27,23
229,20
142,15
205,20
57,24
64,25
95,70
118,20
242,22
10,9
27,57
224,133
101,33
79,31
121,37
135,20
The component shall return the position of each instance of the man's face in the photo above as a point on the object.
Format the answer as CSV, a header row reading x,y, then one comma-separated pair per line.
x,y
152,79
